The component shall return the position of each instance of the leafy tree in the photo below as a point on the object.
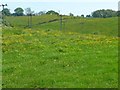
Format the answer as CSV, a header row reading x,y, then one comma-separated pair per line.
x,y
29,11
51,12
19,11
104,13
70,14
97,13
118,13
82,15
41,13
88,16
6,12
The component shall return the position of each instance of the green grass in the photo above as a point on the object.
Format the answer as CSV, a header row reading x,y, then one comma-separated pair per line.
x,y
83,55
22,21
98,26
50,58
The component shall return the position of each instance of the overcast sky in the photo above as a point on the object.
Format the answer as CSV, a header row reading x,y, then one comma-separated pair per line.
x,y
77,7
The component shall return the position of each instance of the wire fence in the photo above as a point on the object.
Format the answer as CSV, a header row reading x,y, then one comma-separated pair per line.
x,y
43,21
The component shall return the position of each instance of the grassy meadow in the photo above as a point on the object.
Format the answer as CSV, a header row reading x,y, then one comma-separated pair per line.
x,y
83,55
99,26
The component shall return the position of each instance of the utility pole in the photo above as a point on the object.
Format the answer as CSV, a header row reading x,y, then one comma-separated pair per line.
x,y
30,20
3,5
64,21
60,22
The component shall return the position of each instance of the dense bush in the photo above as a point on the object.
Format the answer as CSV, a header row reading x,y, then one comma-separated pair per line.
x,y
104,13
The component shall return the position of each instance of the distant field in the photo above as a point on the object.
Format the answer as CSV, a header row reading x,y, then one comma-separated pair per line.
x,y
99,26
83,55
36,20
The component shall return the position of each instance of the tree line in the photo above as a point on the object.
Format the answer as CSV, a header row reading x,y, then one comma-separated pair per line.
x,y
20,12
105,13
96,14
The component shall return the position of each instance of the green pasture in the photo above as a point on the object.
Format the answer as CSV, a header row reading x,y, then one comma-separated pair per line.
x,y
98,26
83,55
